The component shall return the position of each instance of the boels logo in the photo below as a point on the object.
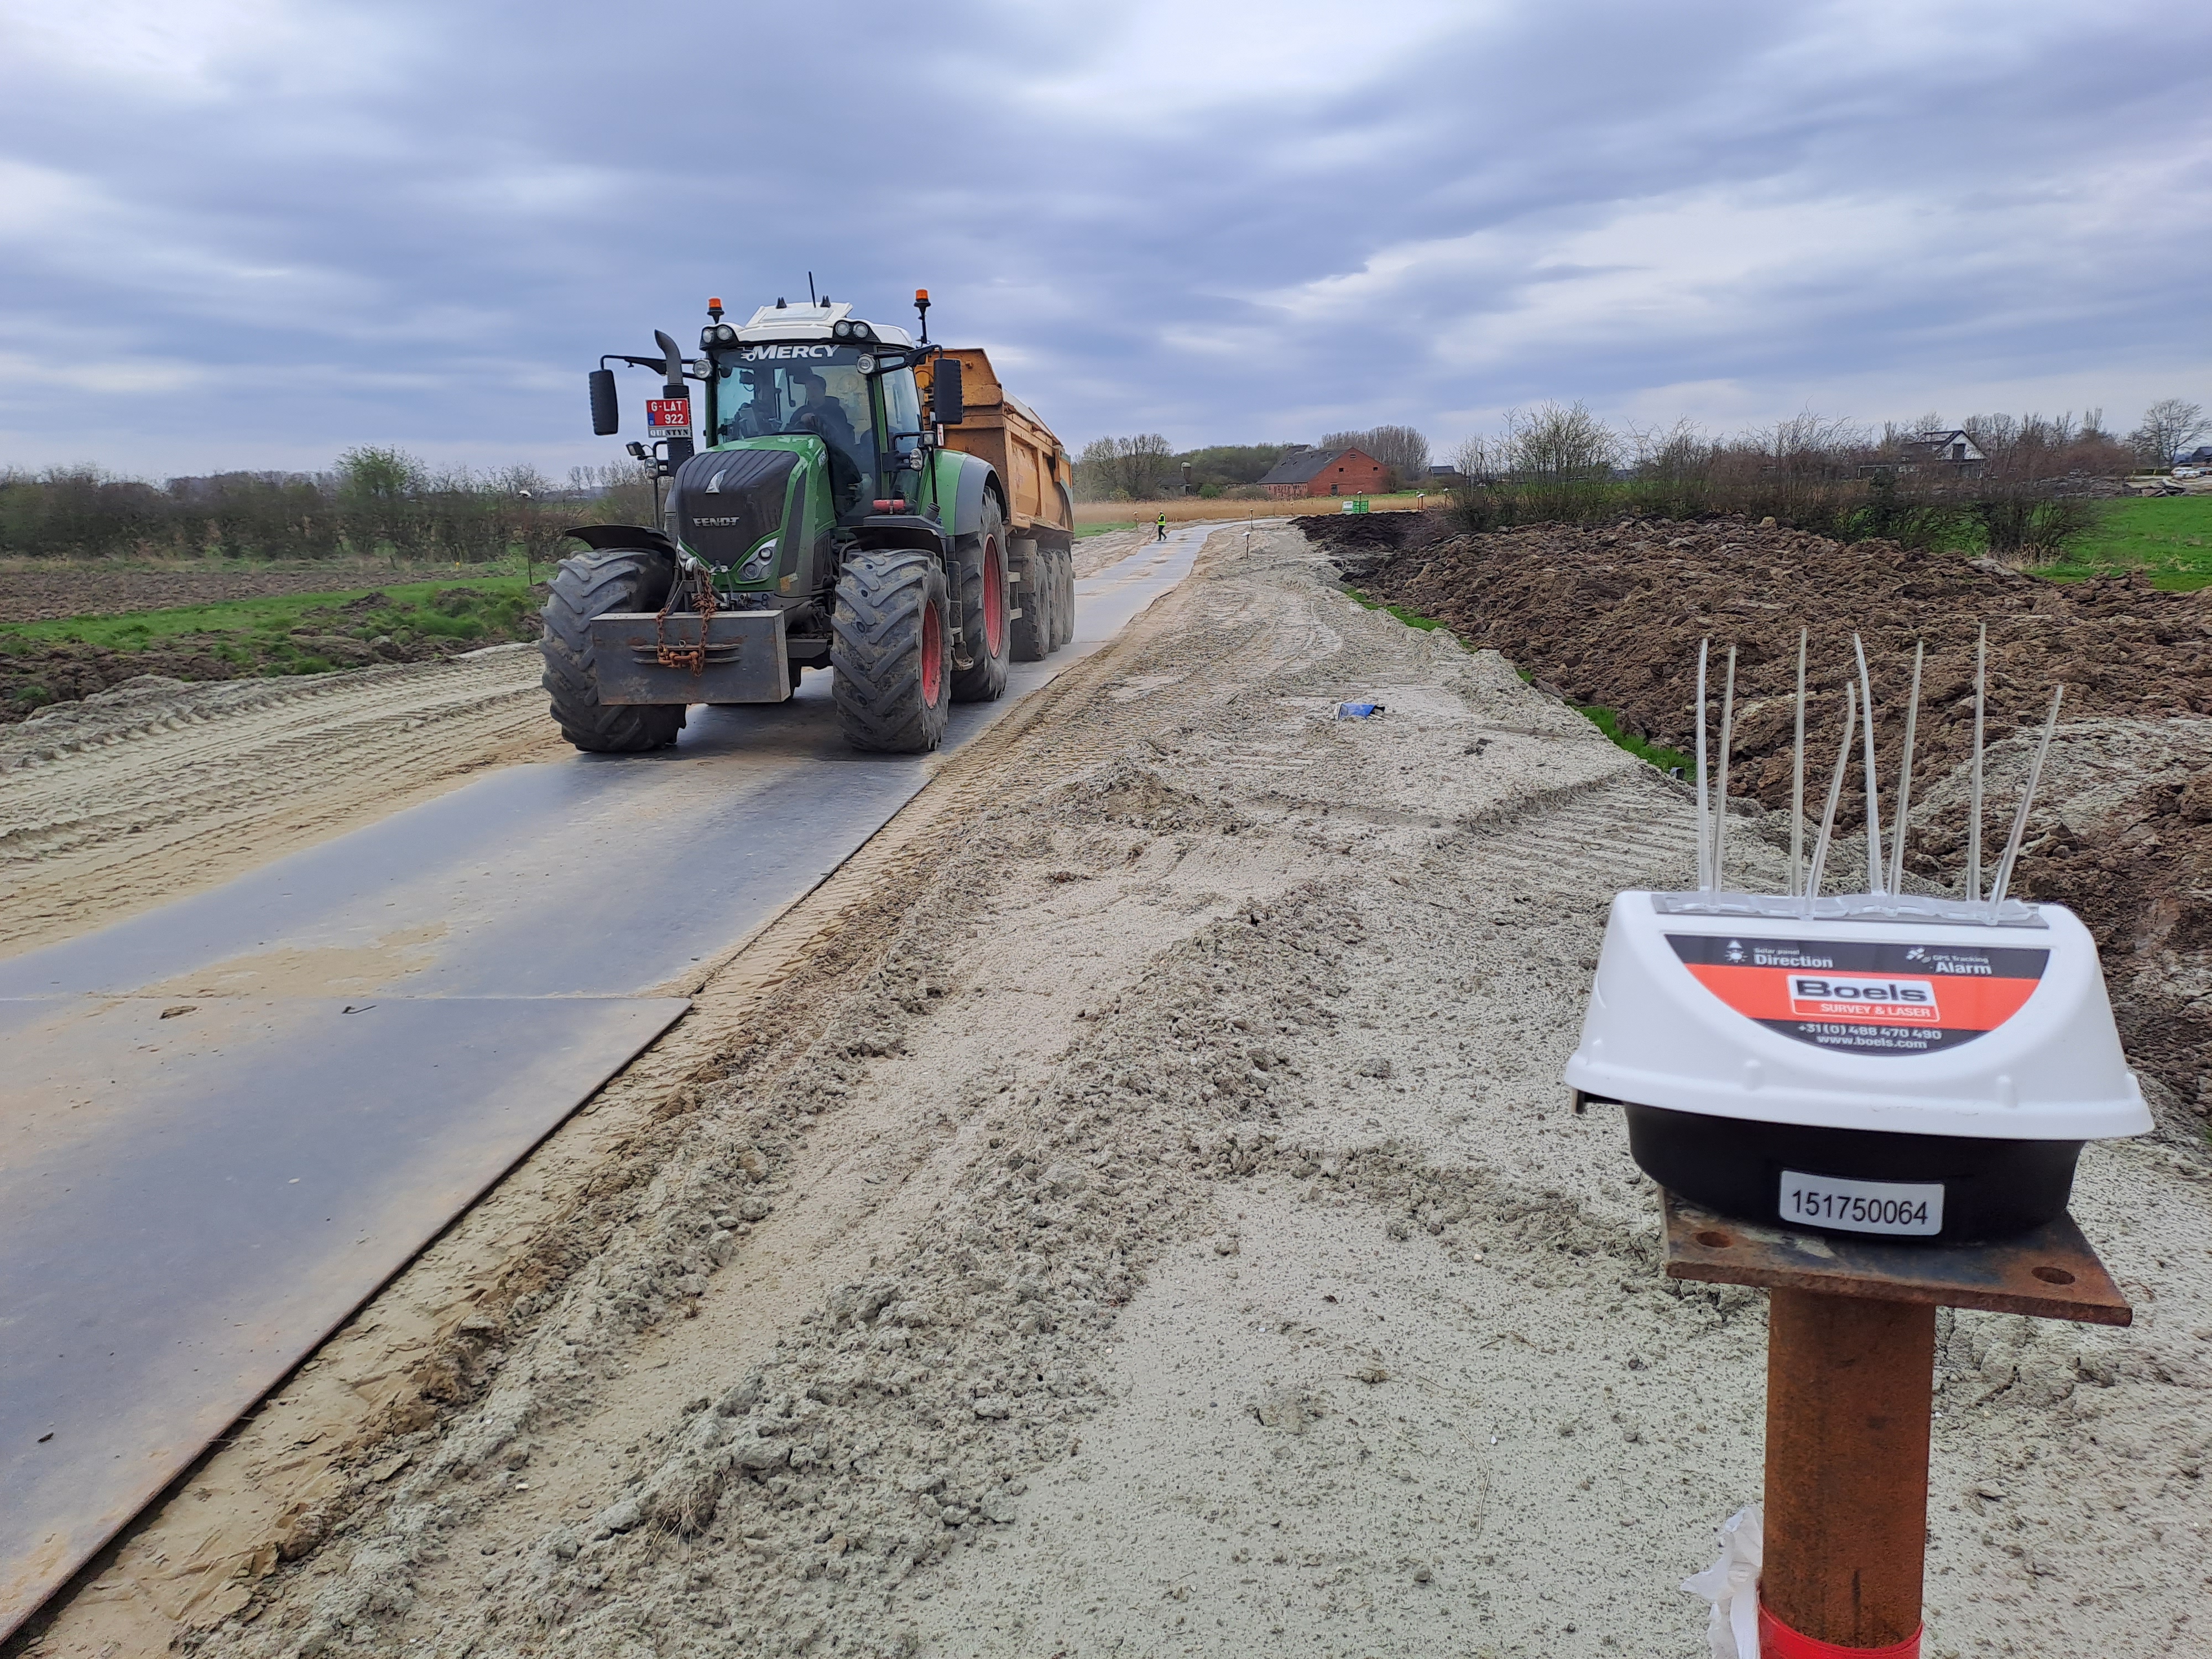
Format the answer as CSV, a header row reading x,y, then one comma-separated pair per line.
x,y
1889,999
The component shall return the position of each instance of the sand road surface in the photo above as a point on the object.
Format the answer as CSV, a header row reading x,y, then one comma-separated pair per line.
x,y
1132,1209
140,795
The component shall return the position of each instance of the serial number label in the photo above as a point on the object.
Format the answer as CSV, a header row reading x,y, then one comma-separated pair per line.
x,y
1899,1209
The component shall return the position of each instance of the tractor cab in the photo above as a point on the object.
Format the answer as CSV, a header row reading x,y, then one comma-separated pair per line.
x,y
817,371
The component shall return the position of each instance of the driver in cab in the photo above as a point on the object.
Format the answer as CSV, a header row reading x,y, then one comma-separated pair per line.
x,y
821,414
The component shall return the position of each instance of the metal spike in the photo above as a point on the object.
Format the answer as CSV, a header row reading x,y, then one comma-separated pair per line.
x,y
1704,826
1904,774
1720,777
1835,794
2004,878
1974,811
1797,783
1872,788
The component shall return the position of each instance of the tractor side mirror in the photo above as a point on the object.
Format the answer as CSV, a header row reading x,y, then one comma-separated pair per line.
x,y
947,403
607,408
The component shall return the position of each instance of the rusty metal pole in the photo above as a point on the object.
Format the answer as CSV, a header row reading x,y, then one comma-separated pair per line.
x,y
1850,1388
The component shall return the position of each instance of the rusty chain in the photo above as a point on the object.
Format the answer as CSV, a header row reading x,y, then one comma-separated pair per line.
x,y
691,657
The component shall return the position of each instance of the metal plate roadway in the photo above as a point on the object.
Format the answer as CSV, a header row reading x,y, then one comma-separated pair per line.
x,y
377,1030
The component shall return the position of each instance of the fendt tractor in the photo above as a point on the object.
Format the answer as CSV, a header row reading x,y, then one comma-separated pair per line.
x,y
855,500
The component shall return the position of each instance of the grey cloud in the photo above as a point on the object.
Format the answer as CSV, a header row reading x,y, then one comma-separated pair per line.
x,y
415,223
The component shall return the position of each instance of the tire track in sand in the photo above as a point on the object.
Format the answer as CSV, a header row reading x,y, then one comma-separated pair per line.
x,y
104,820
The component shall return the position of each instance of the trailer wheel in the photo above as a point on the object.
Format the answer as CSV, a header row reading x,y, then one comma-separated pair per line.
x,y
593,585
1063,609
1037,598
891,652
980,672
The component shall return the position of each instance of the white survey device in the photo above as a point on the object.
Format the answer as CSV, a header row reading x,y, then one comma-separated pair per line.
x,y
1911,1066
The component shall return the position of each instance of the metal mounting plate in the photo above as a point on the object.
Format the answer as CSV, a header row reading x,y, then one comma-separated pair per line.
x,y
744,657
2050,1273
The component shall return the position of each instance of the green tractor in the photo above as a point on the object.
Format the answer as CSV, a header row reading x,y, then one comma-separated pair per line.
x,y
820,518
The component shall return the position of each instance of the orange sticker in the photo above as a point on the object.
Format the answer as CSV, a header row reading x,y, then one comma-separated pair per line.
x,y
1901,997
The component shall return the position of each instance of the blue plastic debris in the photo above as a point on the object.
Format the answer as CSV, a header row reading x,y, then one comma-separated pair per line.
x,y
1357,711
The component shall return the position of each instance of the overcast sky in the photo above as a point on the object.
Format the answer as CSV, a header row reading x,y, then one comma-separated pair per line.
x,y
253,234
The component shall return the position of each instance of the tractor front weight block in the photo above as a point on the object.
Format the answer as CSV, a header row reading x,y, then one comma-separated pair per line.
x,y
640,657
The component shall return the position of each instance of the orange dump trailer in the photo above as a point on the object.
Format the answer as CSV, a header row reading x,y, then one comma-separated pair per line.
x,y
1003,430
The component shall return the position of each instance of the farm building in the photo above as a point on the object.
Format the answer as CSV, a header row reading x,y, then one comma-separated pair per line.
x,y
1952,446
1308,471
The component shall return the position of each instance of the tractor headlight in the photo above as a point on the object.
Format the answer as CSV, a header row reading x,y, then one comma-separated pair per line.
x,y
842,331
862,332
762,562
725,334
866,364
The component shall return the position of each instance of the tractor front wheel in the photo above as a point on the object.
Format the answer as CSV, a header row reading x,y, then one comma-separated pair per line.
x,y
892,652
595,585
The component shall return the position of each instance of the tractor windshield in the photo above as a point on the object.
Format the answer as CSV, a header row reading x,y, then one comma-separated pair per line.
x,y
795,387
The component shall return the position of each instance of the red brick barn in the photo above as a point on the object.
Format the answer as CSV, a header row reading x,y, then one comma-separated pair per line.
x,y
1308,471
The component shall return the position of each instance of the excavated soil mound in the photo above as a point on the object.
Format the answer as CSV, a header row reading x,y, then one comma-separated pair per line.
x,y
1613,616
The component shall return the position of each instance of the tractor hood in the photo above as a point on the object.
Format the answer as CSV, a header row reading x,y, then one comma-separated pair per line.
x,y
726,500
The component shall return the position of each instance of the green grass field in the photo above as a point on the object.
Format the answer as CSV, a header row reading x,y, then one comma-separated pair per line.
x,y
472,609
292,634
2169,537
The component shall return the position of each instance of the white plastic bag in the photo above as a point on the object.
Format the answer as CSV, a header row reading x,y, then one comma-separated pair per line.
x,y
1731,1584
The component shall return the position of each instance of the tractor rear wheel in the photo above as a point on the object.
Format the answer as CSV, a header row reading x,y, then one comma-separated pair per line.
x,y
980,671
892,652
595,585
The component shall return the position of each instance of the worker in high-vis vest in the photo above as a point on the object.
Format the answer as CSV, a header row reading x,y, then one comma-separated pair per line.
x,y
1161,525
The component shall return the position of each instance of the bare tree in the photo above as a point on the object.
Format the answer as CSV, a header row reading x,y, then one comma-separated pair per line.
x,y
1136,469
1561,455
2168,426
1401,449
1479,460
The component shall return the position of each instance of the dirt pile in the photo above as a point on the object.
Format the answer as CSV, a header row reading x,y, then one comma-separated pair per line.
x,y
2123,832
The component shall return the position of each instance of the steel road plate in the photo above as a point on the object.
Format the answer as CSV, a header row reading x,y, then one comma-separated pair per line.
x,y
189,1206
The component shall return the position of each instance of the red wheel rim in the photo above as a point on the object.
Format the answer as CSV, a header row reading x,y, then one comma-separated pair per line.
x,y
932,655
994,602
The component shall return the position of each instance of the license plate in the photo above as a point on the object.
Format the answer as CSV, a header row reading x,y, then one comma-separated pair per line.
x,y
1896,1209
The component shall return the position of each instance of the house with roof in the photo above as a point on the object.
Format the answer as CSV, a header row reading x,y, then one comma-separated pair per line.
x,y
1307,470
1950,447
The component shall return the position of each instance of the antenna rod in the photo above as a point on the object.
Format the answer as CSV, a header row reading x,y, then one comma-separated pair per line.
x,y
1704,824
1974,811
1797,783
2027,800
1904,774
811,300
1873,790
1720,778
1835,794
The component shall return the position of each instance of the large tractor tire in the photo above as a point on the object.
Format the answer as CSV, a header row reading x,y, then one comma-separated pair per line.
x,y
1036,594
979,671
891,650
593,585
1063,609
